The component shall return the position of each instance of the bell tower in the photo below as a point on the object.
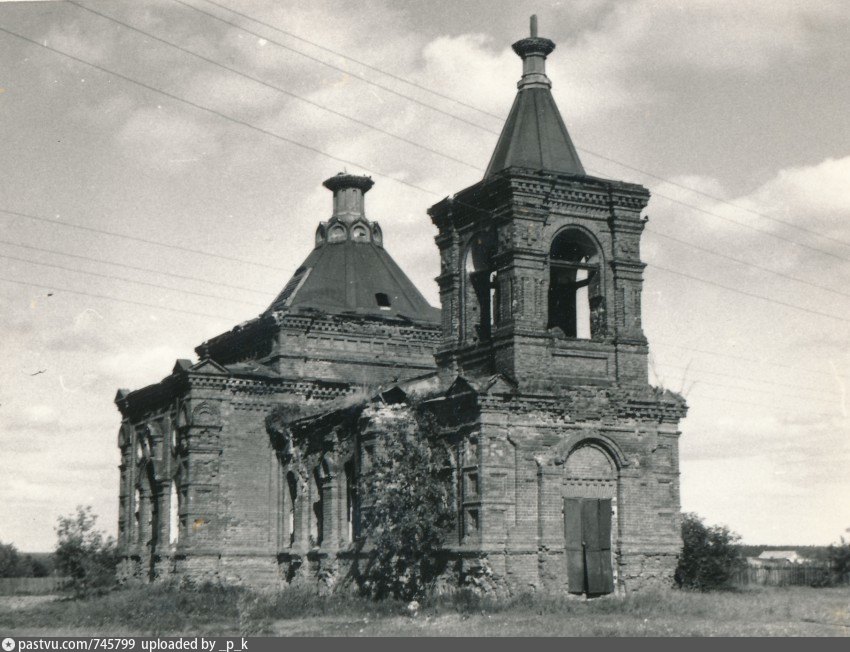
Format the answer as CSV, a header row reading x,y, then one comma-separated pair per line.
x,y
541,274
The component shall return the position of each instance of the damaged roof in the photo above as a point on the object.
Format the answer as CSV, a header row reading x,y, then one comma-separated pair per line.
x,y
349,271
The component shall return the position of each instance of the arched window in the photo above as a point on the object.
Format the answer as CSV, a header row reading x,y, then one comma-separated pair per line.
x,y
146,513
480,294
336,234
317,522
359,233
576,304
137,513
173,514
350,501
290,500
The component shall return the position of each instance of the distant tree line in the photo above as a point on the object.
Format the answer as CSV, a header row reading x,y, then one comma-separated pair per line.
x,y
712,556
13,563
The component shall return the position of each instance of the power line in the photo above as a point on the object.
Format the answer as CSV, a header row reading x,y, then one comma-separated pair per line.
x,y
797,387
207,109
750,227
487,113
91,229
747,263
764,405
313,149
116,299
127,280
739,358
368,125
715,198
133,267
741,388
333,67
359,62
750,294
278,88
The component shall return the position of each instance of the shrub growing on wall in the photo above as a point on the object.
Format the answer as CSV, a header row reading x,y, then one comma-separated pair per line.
x,y
710,557
405,509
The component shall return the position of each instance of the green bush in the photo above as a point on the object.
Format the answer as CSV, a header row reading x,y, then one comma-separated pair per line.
x,y
839,560
84,555
406,509
710,556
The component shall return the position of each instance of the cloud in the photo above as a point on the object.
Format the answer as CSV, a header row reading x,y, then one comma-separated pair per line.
x,y
166,140
139,367
716,35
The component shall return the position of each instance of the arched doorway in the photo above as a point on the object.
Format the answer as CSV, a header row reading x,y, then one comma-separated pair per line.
x,y
590,519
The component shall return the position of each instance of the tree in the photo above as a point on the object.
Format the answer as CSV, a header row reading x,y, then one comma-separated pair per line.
x,y
839,559
709,556
84,554
10,561
406,510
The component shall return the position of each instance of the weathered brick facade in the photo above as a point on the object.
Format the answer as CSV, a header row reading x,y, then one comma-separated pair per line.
x,y
564,459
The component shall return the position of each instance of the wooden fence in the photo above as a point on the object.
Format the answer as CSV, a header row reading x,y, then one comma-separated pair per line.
x,y
31,585
783,575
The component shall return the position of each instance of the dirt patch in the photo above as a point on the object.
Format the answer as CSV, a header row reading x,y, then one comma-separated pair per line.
x,y
15,602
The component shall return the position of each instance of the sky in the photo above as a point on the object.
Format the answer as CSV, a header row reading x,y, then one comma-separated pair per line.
x,y
732,113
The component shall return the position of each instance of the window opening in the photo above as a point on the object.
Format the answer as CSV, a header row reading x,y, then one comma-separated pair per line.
x,y
137,513
383,301
350,501
575,304
173,514
317,529
290,501
481,295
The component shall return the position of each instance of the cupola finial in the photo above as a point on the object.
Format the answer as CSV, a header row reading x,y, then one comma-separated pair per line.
x,y
349,222
534,51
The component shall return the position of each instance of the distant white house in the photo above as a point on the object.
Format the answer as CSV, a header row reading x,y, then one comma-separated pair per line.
x,y
787,556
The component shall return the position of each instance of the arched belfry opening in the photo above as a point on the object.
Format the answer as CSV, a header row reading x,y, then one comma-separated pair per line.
x,y
480,293
576,302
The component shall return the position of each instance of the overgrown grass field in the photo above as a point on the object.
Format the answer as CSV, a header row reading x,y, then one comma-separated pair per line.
x,y
791,611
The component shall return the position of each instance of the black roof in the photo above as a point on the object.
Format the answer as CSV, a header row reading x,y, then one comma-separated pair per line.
x,y
354,277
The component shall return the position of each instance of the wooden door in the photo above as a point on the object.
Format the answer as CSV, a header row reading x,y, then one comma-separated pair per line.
x,y
587,533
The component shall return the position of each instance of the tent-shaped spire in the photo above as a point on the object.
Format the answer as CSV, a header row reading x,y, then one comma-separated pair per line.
x,y
349,271
534,135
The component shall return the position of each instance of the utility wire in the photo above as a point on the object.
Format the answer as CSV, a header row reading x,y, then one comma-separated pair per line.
x,y
341,160
257,80
745,262
749,294
794,386
475,108
740,358
825,252
400,138
470,123
720,200
207,109
117,299
318,151
241,288
361,63
741,388
127,280
762,405
91,229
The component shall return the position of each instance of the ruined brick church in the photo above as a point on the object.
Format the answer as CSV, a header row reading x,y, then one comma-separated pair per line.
x,y
564,462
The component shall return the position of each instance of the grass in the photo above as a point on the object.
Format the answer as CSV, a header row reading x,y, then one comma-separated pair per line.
x,y
157,611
